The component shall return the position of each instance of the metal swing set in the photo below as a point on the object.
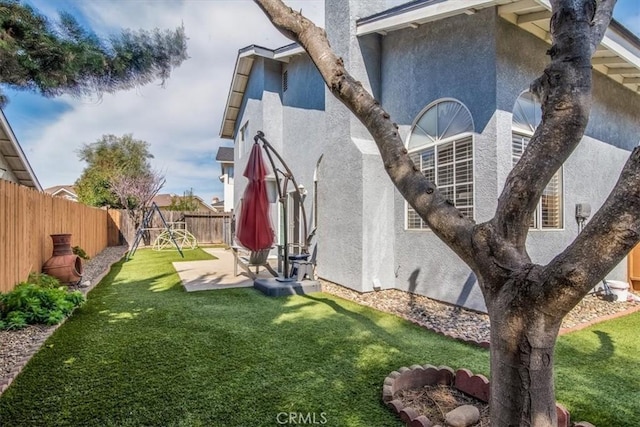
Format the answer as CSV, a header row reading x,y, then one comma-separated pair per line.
x,y
178,237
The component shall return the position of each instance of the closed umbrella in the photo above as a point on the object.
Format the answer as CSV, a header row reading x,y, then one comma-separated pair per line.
x,y
255,231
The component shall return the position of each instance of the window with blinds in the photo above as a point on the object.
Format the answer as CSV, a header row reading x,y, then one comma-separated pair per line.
x,y
441,145
526,117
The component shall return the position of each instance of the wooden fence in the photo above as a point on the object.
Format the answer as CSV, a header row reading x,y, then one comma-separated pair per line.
x,y
207,228
28,217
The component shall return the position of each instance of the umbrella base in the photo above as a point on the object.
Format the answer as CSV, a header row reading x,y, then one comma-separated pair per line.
x,y
276,288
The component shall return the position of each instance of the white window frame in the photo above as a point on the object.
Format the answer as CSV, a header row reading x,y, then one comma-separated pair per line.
x,y
455,138
537,223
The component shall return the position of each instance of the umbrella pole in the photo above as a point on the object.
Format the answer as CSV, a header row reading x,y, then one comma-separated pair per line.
x,y
285,220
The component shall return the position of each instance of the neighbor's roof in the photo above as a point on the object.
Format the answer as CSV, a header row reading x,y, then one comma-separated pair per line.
x,y
164,200
57,189
225,155
241,72
617,57
14,156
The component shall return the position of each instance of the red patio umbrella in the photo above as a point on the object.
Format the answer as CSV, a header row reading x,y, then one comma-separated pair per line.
x,y
255,231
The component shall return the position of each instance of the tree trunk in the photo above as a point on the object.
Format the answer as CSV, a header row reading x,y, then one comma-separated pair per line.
x,y
522,345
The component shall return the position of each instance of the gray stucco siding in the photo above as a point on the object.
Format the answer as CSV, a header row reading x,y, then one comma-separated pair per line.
x,y
305,87
480,60
521,58
593,168
425,64
615,115
424,264
294,132
303,136
589,176
340,231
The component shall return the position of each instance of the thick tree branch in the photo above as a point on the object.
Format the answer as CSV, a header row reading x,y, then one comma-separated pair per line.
x,y
601,20
564,90
440,214
612,233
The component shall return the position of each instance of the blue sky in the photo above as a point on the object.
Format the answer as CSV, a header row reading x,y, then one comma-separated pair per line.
x,y
180,121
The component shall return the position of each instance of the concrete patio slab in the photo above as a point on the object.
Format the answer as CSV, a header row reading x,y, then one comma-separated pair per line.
x,y
213,274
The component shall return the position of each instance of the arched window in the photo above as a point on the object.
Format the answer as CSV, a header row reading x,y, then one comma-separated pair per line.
x,y
527,115
441,145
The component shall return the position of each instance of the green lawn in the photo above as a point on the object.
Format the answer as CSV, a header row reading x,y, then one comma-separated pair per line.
x,y
598,374
144,352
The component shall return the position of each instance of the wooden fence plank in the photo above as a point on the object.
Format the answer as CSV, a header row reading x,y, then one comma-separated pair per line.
x,y
28,218
207,228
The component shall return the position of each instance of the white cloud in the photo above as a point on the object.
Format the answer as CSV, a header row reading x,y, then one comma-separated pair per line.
x,y
180,121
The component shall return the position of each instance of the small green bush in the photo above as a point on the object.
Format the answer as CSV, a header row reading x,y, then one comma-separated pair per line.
x,y
16,320
43,280
80,252
38,301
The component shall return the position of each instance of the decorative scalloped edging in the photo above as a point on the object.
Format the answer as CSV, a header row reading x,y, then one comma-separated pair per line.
x,y
6,382
464,380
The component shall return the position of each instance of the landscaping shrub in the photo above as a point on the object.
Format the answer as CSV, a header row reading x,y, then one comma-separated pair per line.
x,y
43,280
77,250
40,300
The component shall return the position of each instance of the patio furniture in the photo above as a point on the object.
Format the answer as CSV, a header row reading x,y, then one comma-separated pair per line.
x,y
247,260
301,268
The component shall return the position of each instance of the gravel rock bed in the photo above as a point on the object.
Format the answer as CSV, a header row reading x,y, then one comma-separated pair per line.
x,y
460,323
16,347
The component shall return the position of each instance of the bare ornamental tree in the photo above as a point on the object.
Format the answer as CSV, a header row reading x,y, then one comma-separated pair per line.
x,y
526,301
135,193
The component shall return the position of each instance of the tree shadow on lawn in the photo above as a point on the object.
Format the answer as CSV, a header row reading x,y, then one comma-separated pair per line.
x,y
332,357
596,378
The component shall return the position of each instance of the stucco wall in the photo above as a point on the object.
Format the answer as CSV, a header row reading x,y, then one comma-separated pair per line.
x,y
356,197
295,129
480,60
487,74
592,170
420,66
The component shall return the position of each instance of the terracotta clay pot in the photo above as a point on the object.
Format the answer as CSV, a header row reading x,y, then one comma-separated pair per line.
x,y
63,265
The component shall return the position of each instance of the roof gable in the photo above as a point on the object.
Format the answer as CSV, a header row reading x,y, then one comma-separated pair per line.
x,y
164,201
62,190
225,155
241,72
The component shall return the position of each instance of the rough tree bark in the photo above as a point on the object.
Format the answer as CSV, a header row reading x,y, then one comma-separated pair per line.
x,y
526,302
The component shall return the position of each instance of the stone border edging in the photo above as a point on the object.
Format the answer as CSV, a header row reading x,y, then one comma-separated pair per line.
x,y
563,331
39,342
464,380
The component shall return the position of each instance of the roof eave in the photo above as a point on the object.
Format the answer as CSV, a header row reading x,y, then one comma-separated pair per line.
x,y
617,57
418,13
33,180
241,71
